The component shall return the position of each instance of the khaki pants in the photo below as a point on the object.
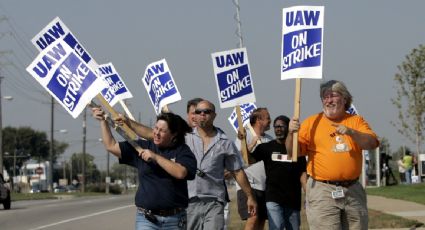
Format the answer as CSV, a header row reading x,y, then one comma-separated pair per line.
x,y
324,212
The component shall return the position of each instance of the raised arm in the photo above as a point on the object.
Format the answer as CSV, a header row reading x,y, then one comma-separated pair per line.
x,y
108,140
140,129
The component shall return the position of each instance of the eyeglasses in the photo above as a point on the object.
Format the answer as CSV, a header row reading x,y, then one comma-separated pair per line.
x,y
205,111
330,96
279,126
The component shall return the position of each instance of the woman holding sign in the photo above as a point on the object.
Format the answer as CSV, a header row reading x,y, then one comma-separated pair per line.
x,y
164,166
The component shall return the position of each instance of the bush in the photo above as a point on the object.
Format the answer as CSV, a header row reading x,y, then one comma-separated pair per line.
x,y
101,188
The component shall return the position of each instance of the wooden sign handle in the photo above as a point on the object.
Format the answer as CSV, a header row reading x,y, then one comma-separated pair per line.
x,y
130,133
297,102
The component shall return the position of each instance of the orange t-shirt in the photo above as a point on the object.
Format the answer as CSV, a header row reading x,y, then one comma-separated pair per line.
x,y
331,156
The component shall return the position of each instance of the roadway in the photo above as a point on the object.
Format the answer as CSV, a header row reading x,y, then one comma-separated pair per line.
x,y
100,212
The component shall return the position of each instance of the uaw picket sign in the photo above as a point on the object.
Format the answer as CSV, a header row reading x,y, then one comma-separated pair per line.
x,y
233,77
57,30
116,89
246,110
66,76
302,42
160,85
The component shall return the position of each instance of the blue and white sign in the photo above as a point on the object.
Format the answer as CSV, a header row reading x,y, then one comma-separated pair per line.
x,y
246,110
66,76
233,77
160,85
117,90
57,30
352,110
302,42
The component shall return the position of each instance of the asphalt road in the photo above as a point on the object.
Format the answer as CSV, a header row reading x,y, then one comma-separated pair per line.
x,y
103,212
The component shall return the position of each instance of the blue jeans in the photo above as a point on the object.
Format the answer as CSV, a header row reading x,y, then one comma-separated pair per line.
x,y
281,217
408,175
176,222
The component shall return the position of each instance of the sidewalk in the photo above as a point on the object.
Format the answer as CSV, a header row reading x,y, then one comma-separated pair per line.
x,y
405,209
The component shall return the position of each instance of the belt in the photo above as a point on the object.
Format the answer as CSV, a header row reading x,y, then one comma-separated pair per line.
x,y
159,212
343,183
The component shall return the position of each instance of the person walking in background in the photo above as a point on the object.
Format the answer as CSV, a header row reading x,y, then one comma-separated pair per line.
x,y
164,165
408,166
260,122
190,110
401,170
333,140
284,179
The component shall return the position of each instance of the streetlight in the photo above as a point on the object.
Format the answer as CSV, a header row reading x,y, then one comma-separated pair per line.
x,y
1,127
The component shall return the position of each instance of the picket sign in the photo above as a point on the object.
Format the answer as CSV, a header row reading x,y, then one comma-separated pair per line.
x,y
234,84
160,86
302,51
57,30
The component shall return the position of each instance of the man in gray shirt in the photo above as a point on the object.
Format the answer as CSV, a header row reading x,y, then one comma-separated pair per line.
x,y
214,153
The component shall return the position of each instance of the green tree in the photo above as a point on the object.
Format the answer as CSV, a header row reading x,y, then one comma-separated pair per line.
x,y
26,143
92,173
410,99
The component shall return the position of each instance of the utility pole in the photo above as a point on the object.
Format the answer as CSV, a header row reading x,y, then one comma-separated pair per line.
x,y
52,145
108,179
83,165
1,132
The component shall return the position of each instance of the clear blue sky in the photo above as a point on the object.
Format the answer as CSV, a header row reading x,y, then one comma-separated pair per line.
x,y
364,41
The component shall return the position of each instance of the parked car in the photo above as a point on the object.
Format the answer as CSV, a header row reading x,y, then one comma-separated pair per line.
x,y
4,193
73,188
59,189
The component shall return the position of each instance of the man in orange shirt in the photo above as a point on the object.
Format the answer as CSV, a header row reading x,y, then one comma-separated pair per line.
x,y
333,140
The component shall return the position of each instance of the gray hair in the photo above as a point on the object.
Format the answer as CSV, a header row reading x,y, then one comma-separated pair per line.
x,y
339,87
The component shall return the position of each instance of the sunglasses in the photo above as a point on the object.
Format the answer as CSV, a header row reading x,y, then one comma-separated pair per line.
x,y
205,111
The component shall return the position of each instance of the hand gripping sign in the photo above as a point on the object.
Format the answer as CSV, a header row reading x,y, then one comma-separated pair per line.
x,y
69,80
57,30
160,85
302,50
234,83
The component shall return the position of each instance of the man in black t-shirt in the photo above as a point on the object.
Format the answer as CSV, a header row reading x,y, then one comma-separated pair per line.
x,y
284,179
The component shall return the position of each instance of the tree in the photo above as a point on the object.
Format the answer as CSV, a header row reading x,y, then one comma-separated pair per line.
x,y
26,143
410,100
92,173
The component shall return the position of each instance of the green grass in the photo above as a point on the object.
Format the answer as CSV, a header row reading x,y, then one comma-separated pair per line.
x,y
413,192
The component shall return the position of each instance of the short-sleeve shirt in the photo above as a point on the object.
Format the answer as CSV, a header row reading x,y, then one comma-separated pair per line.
x,y
283,185
158,189
221,154
331,156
